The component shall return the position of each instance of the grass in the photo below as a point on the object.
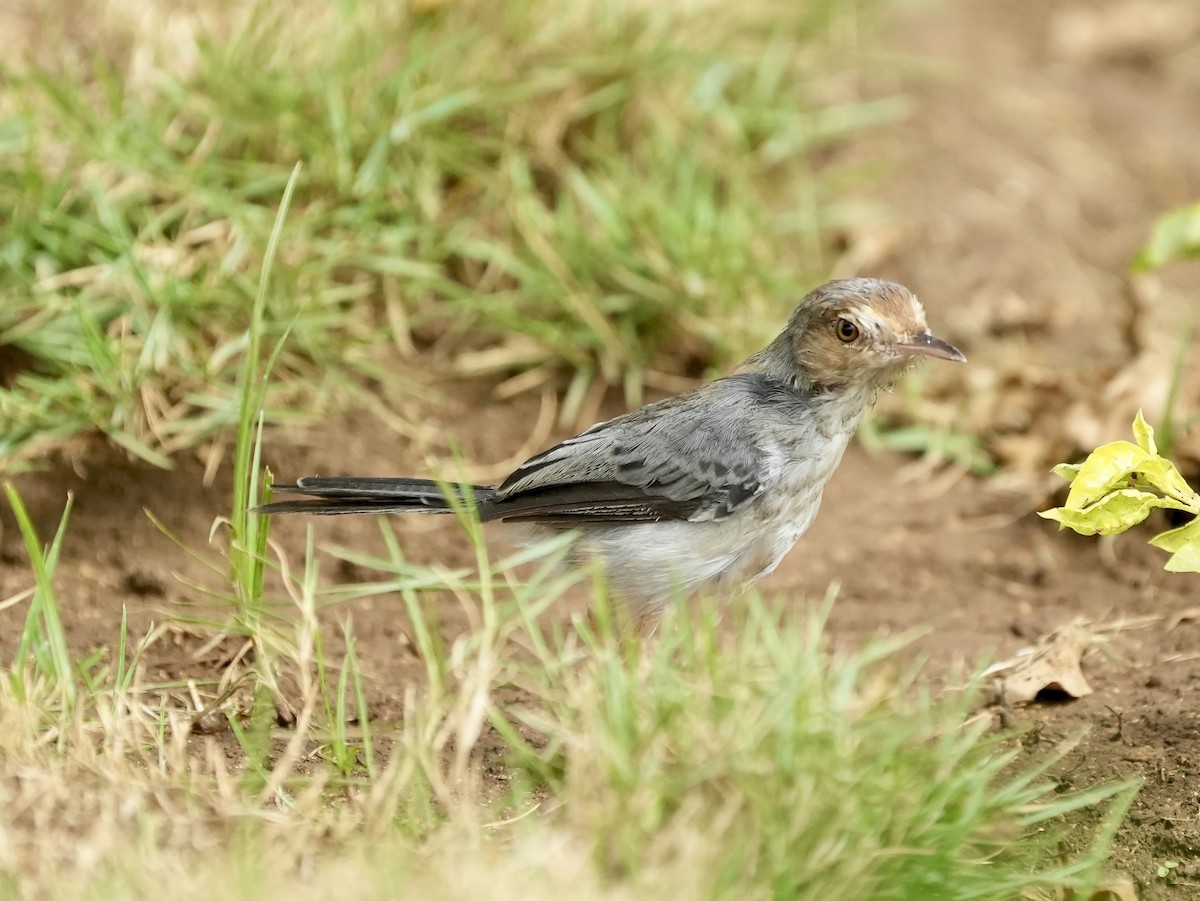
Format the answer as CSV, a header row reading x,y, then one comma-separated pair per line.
x,y
737,759
741,759
734,760
523,190
531,190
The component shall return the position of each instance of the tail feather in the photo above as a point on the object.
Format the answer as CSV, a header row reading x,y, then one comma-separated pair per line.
x,y
333,495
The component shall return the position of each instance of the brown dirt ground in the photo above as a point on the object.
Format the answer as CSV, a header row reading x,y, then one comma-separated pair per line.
x,y
1043,140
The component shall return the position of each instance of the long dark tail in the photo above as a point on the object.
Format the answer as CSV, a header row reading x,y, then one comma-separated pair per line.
x,y
373,495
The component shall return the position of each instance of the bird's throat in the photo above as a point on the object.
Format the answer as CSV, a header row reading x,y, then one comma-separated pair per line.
x,y
838,411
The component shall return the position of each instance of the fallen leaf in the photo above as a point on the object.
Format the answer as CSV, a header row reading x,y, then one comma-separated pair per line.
x,y
1132,29
1143,755
1183,616
1054,665
1116,889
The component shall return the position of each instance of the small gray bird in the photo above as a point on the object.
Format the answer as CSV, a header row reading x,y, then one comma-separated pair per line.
x,y
709,487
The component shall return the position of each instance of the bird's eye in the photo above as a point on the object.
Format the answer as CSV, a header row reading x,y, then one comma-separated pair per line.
x,y
846,330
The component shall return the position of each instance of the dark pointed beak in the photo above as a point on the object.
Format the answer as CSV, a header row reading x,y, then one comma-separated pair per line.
x,y
928,346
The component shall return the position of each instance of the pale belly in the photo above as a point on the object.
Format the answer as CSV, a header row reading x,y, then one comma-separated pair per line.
x,y
648,565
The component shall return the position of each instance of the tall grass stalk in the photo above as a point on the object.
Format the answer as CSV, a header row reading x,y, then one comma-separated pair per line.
x,y
42,652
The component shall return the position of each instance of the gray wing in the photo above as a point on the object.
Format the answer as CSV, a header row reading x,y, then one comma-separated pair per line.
x,y
695,457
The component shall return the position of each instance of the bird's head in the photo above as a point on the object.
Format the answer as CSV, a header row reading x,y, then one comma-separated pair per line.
x,y
859,333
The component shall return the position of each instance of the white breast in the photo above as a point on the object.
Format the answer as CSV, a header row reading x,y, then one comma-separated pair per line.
x,y
650,564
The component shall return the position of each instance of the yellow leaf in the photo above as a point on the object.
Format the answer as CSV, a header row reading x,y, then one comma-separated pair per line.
x,y
1111,467
1184,545
1104,470
1185,560
1175,539
1115,512
1143,434
1162,474
1067,471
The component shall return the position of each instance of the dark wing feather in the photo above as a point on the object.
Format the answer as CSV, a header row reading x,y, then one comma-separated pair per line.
x,y
696,456
373,494
588,502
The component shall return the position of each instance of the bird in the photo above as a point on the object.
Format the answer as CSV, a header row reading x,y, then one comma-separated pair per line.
x,y
706,489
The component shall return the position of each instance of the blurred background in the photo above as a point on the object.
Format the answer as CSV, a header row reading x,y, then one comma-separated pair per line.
x,y
514,218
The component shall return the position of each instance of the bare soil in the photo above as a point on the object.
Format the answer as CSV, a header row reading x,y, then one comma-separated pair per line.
x,y
1043,141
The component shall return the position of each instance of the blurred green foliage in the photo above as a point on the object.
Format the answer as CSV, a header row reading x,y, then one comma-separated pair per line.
x,y
597,188
1176,237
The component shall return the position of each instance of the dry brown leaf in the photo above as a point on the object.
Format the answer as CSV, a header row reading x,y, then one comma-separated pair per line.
x,y
1054,665
1133,29
1119,888
1183,616
1115,888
